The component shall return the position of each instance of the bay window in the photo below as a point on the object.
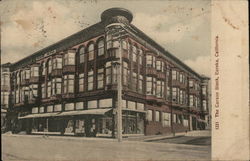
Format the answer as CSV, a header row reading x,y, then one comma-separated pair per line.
x,y
57,63
100,48
48,89
43,90
82,54
100,78
90,80
69,58
125,73
91,52
34,71
68,83
56,86
81,82
140,83
33,91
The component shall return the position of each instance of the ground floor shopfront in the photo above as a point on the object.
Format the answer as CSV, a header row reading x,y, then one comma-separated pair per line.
x,y
89,125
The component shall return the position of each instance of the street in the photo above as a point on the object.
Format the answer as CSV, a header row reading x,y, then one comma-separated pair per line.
x,y
38,147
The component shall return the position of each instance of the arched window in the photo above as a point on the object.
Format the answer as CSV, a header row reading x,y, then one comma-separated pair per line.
x,y
100,48
91,52
81,54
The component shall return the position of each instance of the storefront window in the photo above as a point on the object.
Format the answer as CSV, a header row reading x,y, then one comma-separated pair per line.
x,y
166,119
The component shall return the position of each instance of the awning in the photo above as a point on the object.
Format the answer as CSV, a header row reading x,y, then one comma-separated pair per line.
x,y
38,115
200,120
127,109
100,111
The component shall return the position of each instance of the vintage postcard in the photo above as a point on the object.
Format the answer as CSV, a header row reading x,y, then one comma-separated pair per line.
x,y
124,80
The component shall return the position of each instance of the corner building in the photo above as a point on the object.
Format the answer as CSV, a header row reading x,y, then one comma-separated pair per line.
x,y
70,87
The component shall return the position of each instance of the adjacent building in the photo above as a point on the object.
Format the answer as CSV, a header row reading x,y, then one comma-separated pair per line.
x,y
70,87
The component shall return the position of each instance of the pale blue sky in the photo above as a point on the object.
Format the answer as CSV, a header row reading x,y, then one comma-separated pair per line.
x,y
181,27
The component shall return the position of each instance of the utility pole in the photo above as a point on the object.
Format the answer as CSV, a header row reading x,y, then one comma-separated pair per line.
x,y
119,94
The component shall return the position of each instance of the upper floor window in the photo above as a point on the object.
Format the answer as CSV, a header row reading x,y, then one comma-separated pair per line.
x,y
69,58
91,52
150,115
150,61
49,66
140,56
134,55
27,74
100,47
108,73
140,83
56,86
57,63
166,119
191,83
124,44
82,54
90,80
174,74
81,82
58,107
157,115
5,79
151,85
48,89
160,65
100,78
34,71
43,90
174,94
125,73
160,88
191,100
33,91
204,90
204,104
43,68
134,81
68,83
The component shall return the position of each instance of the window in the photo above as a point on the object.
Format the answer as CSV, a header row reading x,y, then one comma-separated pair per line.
x,y
79,105
134,50
168,93
69,58
57,63
191,83
92,104
157,116
108,73
204,104
41,110
34,110
43,68
81,82
191,100
131,105
33,91
43,91
149,59
105,103
124,45
90,80
160,88
5,79
17,96
58,107
204,90
48,89
56,86
91,52
174,75
101,47
4,98
140,106
134,81
27,74
68,83
82,54
140,56
34,71
174,94
69,106
124,104
150,115
140,84
49,66
149,85
125,73
100,78
158,65
50,108
166,121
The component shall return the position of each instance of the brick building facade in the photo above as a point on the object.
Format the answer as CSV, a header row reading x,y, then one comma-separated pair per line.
x,y
70,87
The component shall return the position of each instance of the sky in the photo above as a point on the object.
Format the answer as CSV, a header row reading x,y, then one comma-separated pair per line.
x,y
180,26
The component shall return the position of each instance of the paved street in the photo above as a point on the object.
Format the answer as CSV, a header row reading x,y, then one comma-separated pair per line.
x,y
37,147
